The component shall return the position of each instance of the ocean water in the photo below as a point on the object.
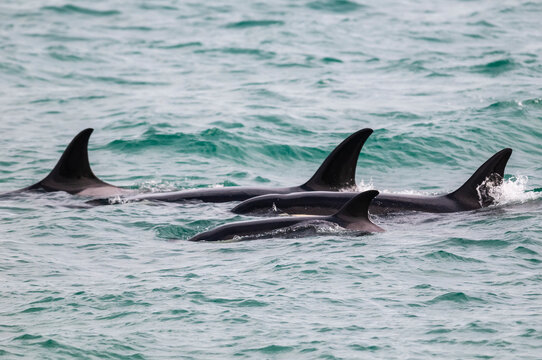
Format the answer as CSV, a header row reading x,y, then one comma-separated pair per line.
x,y
206,94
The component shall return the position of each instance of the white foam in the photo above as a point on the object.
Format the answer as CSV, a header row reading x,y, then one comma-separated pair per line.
x,y
156,186
362,186
513,190
411,192
116,200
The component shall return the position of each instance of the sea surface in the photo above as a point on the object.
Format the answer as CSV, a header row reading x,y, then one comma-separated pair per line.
x,y
224,93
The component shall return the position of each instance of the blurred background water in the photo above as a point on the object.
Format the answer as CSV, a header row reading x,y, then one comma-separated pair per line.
x,y
187,94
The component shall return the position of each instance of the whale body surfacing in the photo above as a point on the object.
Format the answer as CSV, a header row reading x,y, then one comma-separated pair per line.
x,y
352,216
473,194
337,172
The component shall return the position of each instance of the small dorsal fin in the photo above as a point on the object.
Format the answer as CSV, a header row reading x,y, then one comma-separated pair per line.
x,y
473,194
355,213
72,173
338,171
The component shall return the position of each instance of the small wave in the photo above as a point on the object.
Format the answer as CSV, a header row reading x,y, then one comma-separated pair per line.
x,y
28,337
479,327
157,7
203,143
71,9
289,152
58,37
253,23
438,75
331,60
261,54
482,23
47,300
65,57
228,125
463,242
11,68
337,6
525,250
444,255
200,297
272,349
34,309
179,45
176,232
220,143
496,67
434,39
514,104
130,28
123,81
456,297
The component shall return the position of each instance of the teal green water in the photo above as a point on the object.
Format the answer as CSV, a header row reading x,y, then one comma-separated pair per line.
x,y
185,95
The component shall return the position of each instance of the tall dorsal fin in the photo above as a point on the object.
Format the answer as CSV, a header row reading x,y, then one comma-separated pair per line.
x,y
338,171
474,193
355,213
72,173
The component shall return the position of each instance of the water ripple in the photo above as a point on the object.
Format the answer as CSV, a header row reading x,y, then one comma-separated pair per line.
x,y
207,94
73,9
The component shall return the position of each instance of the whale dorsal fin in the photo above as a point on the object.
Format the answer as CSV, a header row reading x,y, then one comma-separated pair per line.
x,y
338,171
474,193
354,214
72,173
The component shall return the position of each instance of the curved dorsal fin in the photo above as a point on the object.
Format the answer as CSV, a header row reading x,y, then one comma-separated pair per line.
x,y
72,173
355,213
473,194
338,171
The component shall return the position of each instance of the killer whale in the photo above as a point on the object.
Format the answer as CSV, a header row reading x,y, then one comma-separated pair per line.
x,y
73,174
352,216
473,194
336,172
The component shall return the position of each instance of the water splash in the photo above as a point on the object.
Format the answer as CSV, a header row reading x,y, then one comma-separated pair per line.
x,y
513,190
154,186
116,200
362,186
